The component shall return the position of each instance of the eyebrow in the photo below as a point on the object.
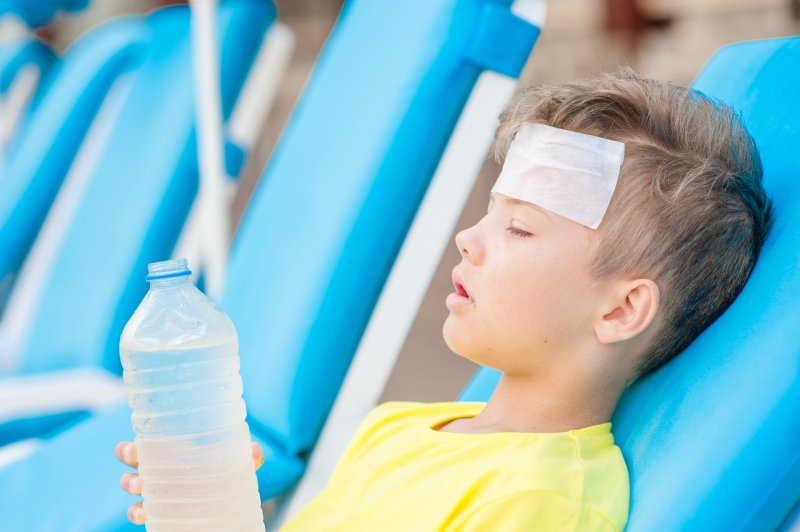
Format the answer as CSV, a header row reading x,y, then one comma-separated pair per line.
x,y
515,201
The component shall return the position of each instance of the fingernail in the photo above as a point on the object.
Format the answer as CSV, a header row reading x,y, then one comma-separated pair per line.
x,y
132,484
138,515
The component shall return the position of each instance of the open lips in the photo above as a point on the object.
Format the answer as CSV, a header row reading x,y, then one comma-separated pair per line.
x,y
460,291
458,283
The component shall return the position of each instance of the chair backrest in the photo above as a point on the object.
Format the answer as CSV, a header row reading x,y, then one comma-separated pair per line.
x,y
343,185
712,439
24,63
132,201
40,153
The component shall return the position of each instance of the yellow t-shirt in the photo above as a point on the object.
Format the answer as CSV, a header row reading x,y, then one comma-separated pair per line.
x,y
400,473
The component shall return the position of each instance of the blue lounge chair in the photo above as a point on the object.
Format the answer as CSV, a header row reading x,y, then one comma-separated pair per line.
x,y
317,241
712,440
41,152
120,211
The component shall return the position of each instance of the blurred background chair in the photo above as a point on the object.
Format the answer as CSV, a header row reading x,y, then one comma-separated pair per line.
x,y
712,439
48,136
124,204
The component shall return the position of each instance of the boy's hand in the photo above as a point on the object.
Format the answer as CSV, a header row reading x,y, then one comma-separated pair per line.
x,y
130,482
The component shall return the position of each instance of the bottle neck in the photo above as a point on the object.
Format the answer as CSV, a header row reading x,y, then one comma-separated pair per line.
x,y
168,273
169,282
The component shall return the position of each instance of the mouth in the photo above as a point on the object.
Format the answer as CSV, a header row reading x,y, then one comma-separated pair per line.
x,y
461,291
461,297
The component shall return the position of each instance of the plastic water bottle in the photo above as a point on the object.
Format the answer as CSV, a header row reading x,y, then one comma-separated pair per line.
x,y
181,368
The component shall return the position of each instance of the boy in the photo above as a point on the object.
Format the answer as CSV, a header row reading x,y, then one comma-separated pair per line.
x,y
628,216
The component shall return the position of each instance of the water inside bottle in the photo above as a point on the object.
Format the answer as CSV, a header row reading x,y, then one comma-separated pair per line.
x,y
181,369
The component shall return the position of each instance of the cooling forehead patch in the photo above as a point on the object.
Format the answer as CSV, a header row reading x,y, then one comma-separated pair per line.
x,y
568,173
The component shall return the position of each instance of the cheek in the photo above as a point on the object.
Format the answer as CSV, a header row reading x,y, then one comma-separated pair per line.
x,y
541,303
525,311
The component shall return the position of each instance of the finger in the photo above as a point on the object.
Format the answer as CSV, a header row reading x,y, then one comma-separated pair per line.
x,y
132,483
136,514
118,450
126,453
258,455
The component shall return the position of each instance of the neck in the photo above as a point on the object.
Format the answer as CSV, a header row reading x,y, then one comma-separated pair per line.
x,y
549,403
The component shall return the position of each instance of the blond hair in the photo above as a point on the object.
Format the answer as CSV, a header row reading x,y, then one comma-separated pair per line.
x,y
689,210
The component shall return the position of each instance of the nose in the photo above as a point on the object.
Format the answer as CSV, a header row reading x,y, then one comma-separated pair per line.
x,y
469,245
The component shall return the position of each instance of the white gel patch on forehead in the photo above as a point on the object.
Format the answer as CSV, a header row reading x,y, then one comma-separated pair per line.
x,y
568,173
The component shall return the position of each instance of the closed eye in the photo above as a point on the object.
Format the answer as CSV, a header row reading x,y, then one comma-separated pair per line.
x,y
518,232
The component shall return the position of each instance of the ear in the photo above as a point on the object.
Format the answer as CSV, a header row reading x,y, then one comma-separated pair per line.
x,y
635,306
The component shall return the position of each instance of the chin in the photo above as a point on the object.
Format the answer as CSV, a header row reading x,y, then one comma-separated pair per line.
x,y
449,333
460,345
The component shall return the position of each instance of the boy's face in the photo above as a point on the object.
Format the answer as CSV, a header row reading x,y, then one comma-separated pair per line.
x,y
524,298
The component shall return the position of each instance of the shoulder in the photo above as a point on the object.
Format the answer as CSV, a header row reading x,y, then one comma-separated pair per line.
x,y
534,509
396,419
606,483
416,412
